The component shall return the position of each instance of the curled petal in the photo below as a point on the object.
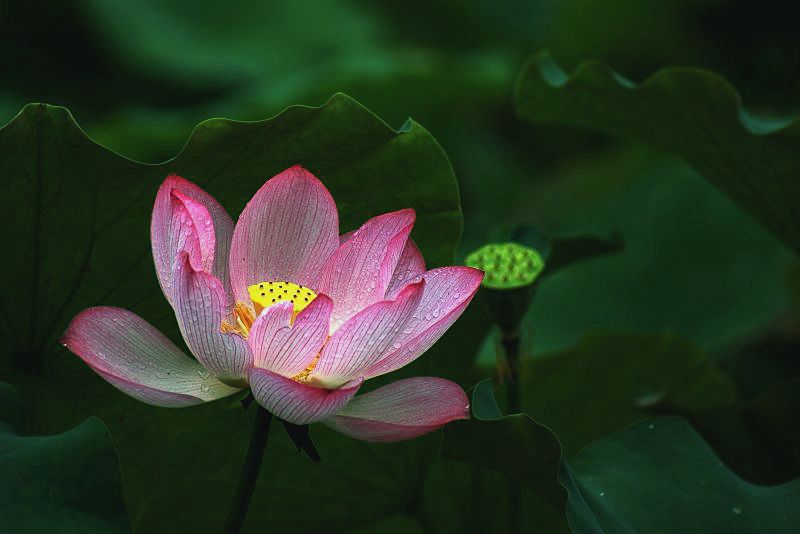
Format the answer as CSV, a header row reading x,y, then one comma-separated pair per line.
x,y
201,306
296,402
187,218
448,291
366,337
286,232
360,270
410,267
402,410
139,360
288,350
199,220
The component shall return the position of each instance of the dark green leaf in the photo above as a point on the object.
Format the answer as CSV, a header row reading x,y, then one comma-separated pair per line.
x,y
686,247
484,405
516,446
560,252
66,482
691,112
657,476
660,476
759,439
565,251
12,409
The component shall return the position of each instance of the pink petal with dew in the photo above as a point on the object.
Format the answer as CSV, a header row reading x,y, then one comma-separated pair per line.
x,y
402,410
201,306
410,267
366,337
360,270
187,218
448,291
139,360
296,402
200,221
286,233
288,350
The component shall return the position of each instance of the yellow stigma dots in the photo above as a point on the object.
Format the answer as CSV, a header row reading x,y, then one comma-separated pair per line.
x,y
265,294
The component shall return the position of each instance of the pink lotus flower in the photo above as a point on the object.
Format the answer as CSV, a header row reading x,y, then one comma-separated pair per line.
x,y
281,303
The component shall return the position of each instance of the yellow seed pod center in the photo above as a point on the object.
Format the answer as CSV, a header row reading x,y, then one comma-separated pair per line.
x,y
265,294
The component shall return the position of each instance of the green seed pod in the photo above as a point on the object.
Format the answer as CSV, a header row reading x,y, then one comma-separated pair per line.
x,y
507,265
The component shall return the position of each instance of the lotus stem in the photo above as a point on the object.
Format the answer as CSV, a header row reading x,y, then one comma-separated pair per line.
x,y
250,470
511,343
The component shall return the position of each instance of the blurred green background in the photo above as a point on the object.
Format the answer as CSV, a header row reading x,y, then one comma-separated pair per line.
x,y
139,76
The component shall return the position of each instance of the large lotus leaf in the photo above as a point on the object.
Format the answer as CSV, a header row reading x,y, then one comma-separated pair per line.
x,y
632,375
78,221
660,476
758,438
635,376
66,482
657,476
78,215
691,112
517,446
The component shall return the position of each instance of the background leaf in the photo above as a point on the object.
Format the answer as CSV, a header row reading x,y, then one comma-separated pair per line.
x,y
516,446
683,254
656,476
758,438
660,476
694,113
66,482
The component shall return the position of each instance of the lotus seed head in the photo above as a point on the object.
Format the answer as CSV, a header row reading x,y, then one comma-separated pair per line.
x,y
507,265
